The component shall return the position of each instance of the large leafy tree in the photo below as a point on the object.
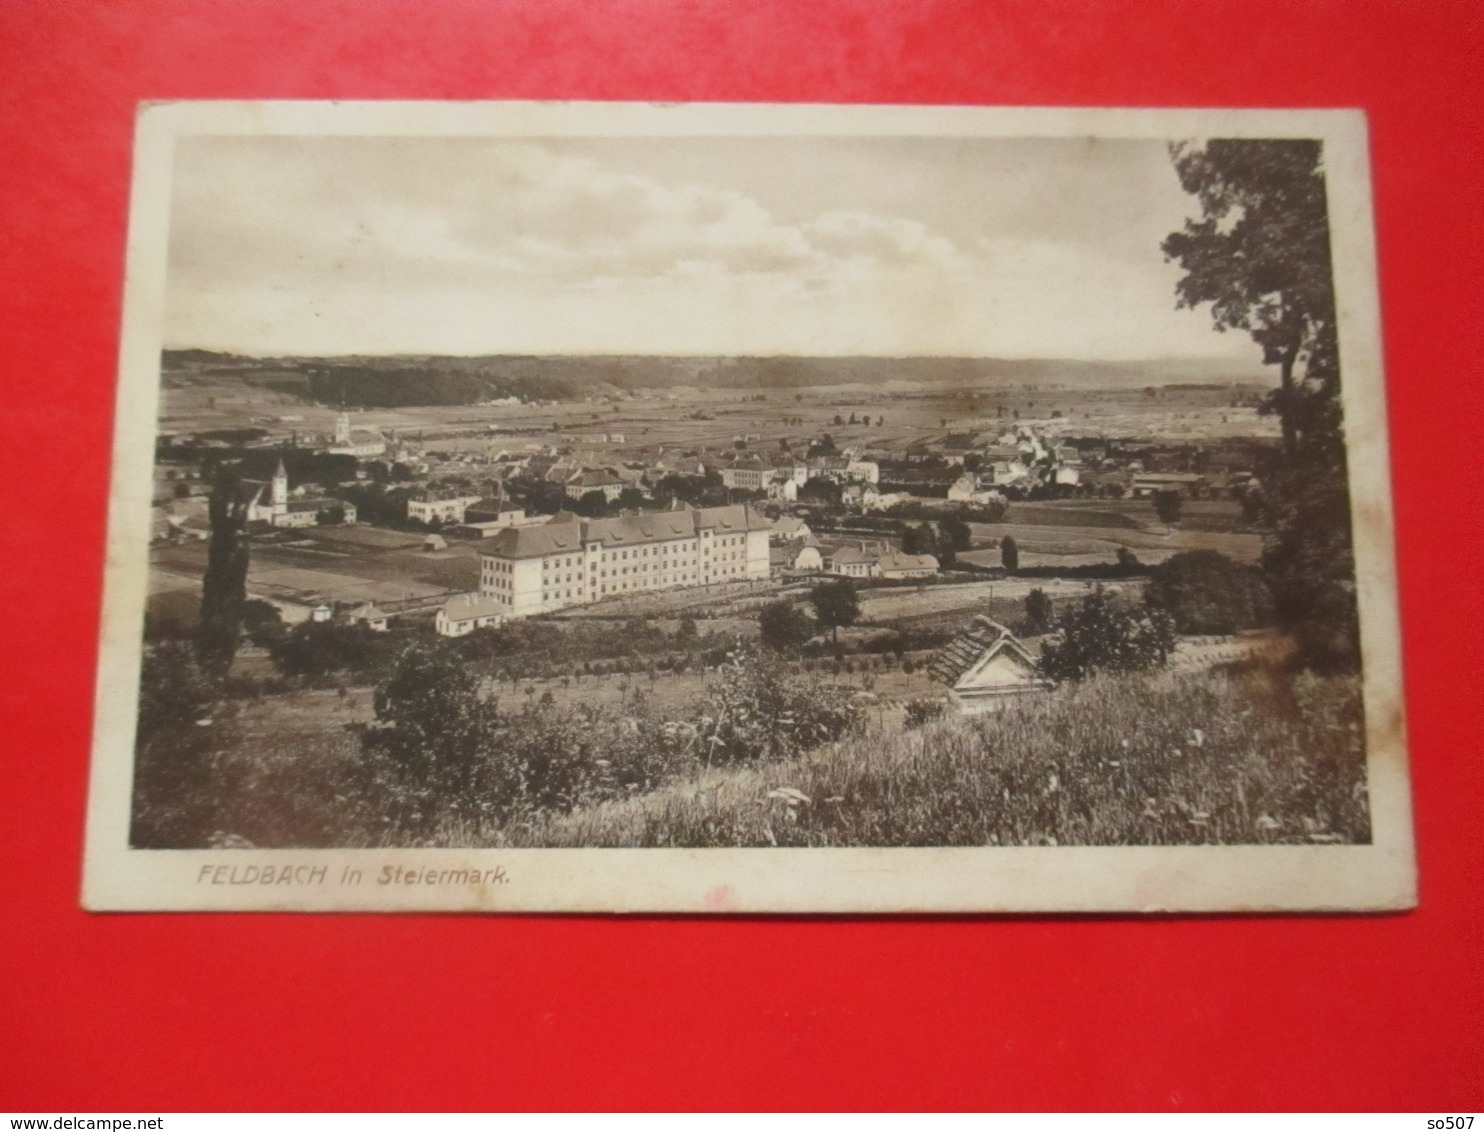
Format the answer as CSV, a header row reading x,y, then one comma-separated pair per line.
x,y
836,604
1260,257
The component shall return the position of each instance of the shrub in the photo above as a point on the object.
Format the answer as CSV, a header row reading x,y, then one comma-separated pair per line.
x,y
923,711
761,711
1009,554
316,649
784,626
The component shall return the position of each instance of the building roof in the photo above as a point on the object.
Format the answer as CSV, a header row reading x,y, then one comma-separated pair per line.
x,y
896,560
314,504
747,460
566,532
850,556
596,479
979,641
471,607
493,505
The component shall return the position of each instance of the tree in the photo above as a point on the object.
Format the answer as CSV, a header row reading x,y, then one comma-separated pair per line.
x,y
1128,561
1009,554
592,505
919,539
1260,255
1167,505
631,499
955,533
1206,592
1038,611
836,605
1103,635
224,585
330,516
784,626
821,489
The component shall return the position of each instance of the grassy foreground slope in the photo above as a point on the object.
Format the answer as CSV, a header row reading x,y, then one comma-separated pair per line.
x,y
1257,756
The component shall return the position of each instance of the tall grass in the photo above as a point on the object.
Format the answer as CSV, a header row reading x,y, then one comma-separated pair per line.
x,y
1256,756
1213,758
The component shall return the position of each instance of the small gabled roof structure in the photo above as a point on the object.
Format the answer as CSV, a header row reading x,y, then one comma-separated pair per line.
x,y
985,665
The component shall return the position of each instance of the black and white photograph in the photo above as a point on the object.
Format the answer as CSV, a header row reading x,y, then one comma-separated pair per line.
x,y
749,508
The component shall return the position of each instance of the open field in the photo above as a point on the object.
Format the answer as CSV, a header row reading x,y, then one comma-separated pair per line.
x,y
689,416
345,564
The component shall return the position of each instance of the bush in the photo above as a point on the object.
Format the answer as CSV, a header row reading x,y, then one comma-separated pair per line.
x,y
1206,592
1102,634
762,711
920,712
316,649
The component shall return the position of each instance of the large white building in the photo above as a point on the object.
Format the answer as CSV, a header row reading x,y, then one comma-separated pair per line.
x,y
570,561
447,509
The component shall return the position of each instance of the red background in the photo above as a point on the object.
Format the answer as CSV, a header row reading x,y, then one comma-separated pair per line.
x,y
225,1012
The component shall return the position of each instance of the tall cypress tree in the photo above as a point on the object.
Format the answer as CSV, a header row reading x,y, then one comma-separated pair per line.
x,y
224,586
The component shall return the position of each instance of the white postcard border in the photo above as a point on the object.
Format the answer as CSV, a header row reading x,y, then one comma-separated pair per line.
x,y
1380,876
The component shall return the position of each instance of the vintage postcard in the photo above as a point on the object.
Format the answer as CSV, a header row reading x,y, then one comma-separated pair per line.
x,y
728,508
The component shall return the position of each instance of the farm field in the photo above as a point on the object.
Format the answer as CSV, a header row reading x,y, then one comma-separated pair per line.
x,y
893,606
352,564
1240,546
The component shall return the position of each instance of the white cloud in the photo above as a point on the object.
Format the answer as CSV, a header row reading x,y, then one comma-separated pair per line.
x,y
471,245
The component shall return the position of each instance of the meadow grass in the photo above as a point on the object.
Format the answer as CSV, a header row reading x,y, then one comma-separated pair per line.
x,y
1257,756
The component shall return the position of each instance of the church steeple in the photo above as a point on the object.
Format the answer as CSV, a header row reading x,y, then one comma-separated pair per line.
x,y
280,489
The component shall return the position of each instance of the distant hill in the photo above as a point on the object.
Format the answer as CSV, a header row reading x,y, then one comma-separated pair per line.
x,y
401,381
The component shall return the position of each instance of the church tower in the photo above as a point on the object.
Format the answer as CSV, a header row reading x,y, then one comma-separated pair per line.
x,y
342,430
280,490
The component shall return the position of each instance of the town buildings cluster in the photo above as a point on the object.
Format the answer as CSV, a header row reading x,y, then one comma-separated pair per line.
x,y
573,519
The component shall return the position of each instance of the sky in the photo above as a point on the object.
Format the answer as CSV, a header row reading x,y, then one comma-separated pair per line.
x,y
885,246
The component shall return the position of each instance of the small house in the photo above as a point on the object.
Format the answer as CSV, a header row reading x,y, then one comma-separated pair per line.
x,y
899,566
984,666
466,613
369,615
